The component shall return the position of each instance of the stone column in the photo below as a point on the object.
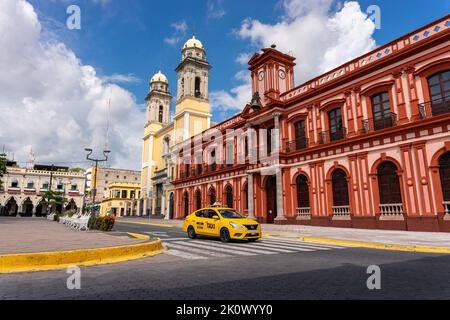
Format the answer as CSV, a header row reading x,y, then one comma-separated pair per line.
x,y
251,197
280,202
145,206
138,212
277,147
163,205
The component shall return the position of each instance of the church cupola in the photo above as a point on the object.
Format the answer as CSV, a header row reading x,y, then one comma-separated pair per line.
x,y
158,99
272,73
193,71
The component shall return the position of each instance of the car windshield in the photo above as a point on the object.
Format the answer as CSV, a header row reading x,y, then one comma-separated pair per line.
x,y
231,214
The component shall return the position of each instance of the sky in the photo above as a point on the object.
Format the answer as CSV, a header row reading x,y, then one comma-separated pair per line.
x,y
55,83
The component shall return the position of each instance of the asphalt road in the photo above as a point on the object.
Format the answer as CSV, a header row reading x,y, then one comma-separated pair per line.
x,y
272,269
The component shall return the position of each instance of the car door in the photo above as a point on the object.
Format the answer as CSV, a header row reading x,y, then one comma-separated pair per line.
x,y
211,225
199,222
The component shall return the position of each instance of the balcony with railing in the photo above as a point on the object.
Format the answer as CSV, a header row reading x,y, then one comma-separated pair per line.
x,y
372,124
446,207
341,213
304,213
392,211
296,145
331,136
434,108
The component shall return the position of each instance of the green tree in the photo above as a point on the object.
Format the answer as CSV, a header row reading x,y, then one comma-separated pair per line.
x,y
53,199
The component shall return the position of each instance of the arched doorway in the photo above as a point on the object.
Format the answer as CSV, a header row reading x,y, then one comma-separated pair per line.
x,y
171,205
302,192
389,184
198,200
40,210
229,196
271,199
444,172
11,208
186,204
27,208
212,196
340,189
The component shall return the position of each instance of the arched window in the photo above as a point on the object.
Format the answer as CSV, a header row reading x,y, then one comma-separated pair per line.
x,y
389,184
444,171
166,145
229,196
381,111
161,114
198,200
186,204
439,86
213,161
46,185
302,192
300,135
198,82
212,196
335,123
340,188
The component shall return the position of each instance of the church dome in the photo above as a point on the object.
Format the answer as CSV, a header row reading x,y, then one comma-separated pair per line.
x,y
159,77
193,43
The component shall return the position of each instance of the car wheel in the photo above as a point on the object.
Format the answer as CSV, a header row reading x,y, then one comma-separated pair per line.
x,y
252,240
191,233
225,235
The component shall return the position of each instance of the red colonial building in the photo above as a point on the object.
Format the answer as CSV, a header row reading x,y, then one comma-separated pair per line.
x,y
366,145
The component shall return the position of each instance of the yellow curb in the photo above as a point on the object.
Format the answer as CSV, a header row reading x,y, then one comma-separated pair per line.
x,y
379,246
88,257
150,224
139,236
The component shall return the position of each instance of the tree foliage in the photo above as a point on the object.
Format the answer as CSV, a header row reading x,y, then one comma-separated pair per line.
x,y
2,166
53,199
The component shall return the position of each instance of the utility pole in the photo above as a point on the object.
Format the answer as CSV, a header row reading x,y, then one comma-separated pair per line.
x,y
105,153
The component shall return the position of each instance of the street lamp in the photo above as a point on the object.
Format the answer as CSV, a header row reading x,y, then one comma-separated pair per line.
x,y
88,157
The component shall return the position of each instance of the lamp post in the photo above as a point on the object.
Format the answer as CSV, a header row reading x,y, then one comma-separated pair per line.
x,y
88,157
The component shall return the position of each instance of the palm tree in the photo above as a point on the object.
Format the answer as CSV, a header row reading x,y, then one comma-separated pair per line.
x,y
2,167
53,199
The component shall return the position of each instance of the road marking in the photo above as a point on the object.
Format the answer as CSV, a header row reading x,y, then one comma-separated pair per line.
x,y
176,239
185,255
256,247
294,242
208,247
294,248
158,234
197,251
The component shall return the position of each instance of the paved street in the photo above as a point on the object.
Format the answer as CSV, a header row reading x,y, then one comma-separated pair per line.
x,y
270,269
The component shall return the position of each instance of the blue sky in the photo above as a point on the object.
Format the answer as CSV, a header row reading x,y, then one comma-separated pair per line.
x,y
127,37
58,82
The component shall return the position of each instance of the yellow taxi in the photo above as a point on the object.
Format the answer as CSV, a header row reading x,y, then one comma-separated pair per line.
x,y
224,223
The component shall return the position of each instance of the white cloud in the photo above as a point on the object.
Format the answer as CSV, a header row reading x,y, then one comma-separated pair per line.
x,y
54,104
178,34
215,9
121,78
318,36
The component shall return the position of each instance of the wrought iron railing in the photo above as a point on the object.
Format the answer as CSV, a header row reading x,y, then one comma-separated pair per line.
x,y
331,136
389,121
434,108
297,144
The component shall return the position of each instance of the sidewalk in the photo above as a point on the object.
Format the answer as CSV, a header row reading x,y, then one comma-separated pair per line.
x,y
35,244
31,235
359,236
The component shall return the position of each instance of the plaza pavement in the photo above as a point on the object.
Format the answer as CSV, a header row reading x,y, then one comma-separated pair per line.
x,y
377,238
32,235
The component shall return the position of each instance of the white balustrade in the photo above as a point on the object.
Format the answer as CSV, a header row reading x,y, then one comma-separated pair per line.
x,y
341,211
304,213
392,209
447,207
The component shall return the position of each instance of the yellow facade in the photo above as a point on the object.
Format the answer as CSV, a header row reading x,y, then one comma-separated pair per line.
x,y
161,134
122,201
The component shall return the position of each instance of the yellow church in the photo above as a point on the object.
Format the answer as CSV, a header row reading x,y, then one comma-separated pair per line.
x,y
162,132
